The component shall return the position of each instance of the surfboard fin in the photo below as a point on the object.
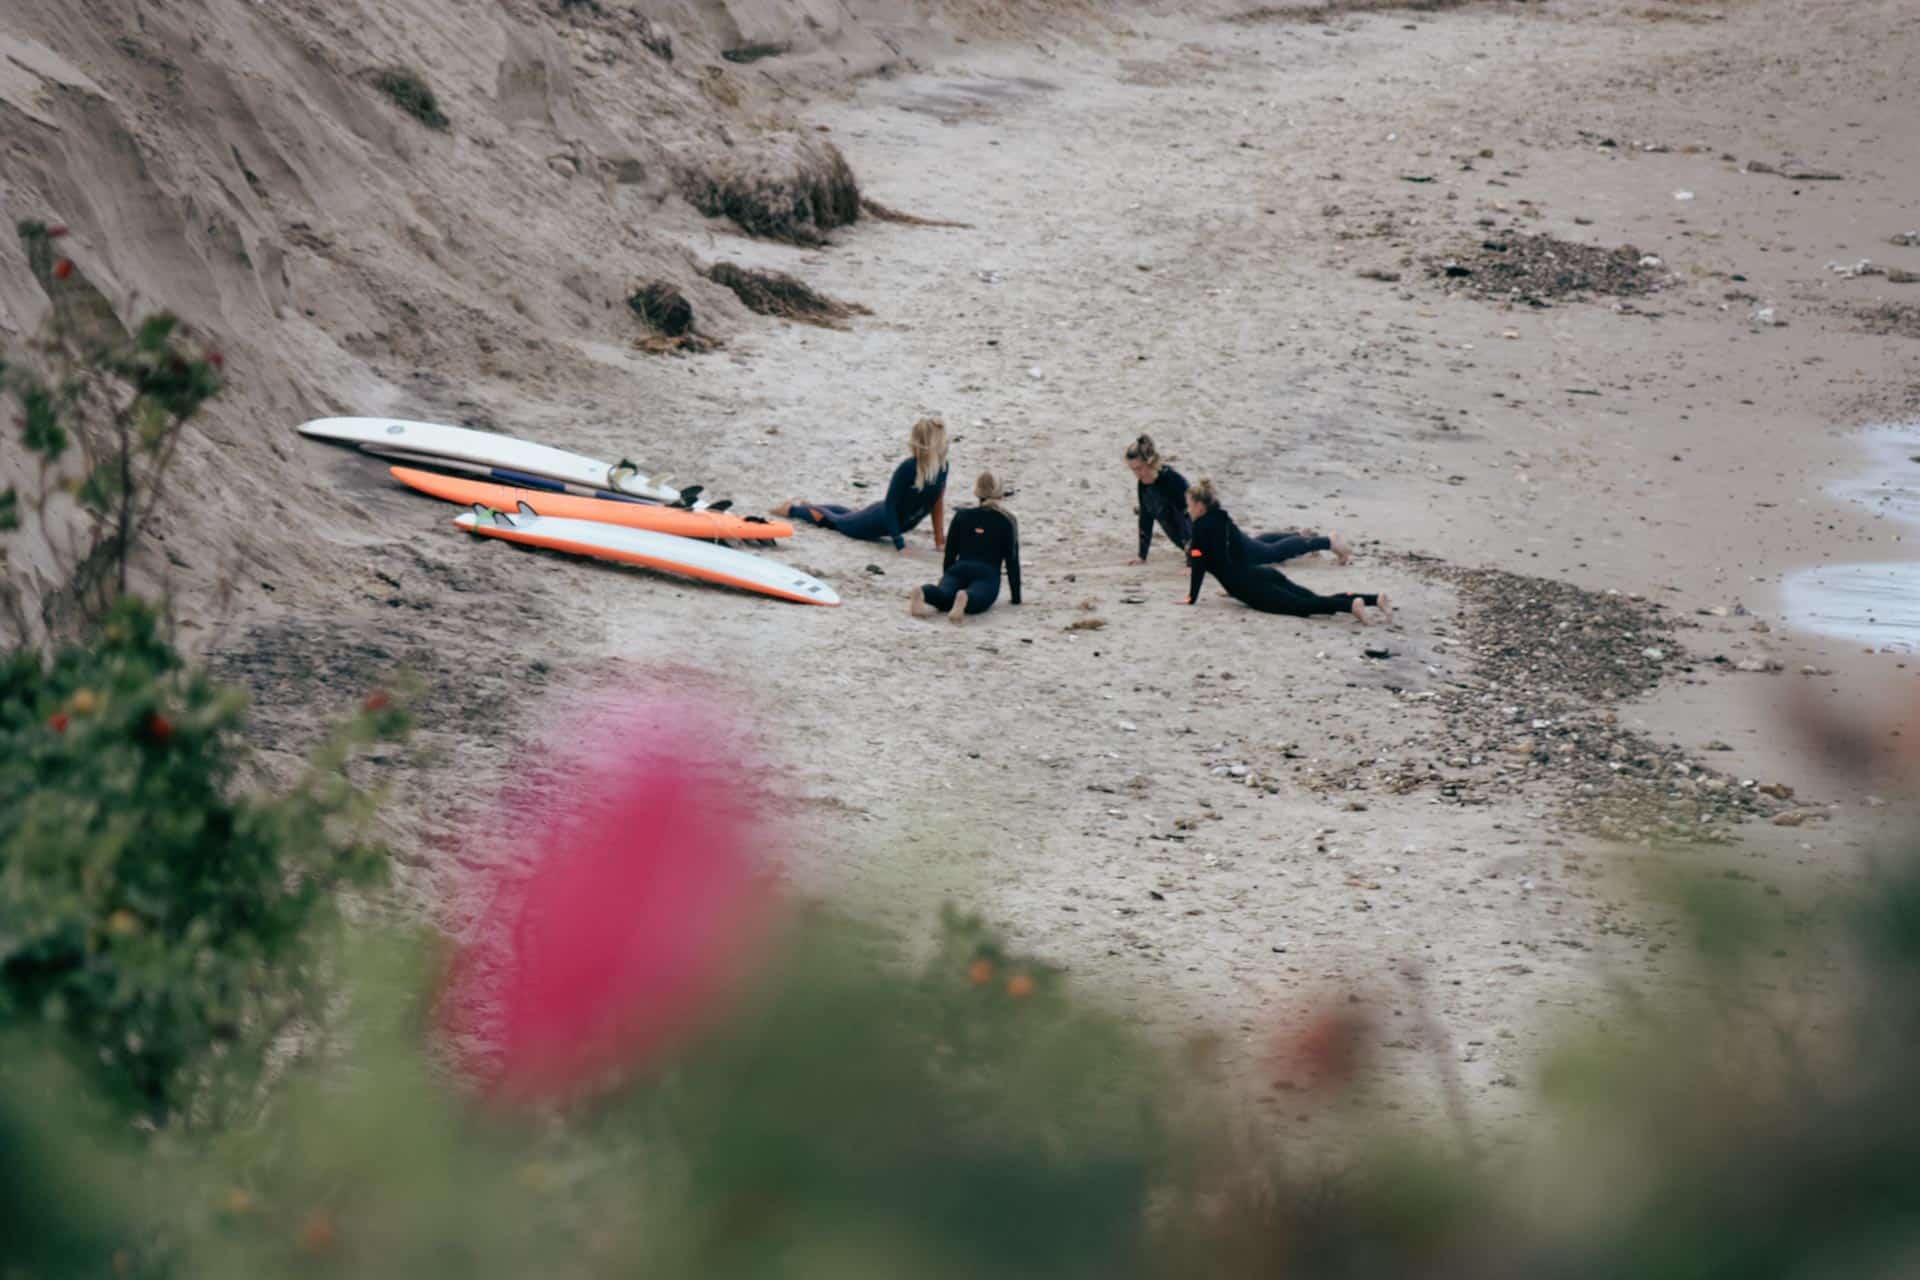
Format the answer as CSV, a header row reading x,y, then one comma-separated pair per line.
x,y
690,495
725,504
527,510
621,470
482,514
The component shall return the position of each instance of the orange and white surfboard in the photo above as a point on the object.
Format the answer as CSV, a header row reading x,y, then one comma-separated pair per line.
x,y
633,515
663,551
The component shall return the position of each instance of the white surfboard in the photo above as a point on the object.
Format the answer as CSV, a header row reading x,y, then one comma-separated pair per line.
x,y
684,556
423,440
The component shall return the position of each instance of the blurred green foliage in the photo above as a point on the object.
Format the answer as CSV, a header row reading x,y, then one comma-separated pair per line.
x,y
162,914
855,1118
102,410
164,917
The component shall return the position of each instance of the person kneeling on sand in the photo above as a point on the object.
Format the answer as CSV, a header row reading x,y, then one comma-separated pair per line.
x,y
1162,497
1215,549
918,489
979,541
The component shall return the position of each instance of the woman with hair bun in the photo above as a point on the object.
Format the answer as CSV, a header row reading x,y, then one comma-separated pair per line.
x,y
1163,498
1215,549
980,541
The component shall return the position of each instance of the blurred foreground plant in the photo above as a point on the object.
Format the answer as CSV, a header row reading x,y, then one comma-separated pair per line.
x,y
161,914
849,1118
166,919
101,412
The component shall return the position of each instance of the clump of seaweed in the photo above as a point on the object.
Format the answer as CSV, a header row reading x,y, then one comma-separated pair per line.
x,y
775,293
794,189
413,95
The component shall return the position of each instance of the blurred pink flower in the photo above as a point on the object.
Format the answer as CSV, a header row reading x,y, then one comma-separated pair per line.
x,y
635,916
1327,1050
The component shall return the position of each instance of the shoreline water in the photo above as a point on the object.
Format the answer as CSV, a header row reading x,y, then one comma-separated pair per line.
x,y
1872,603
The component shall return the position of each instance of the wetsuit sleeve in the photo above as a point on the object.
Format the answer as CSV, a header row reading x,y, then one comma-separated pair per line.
x,y
1197,562
898,491
953,544
1146,521
1013,561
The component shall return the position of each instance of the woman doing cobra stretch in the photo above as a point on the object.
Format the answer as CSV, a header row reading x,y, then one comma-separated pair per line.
x,y
918,489
1163,498
980,540
1215,550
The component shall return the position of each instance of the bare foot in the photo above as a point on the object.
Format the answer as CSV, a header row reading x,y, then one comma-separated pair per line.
x,y
1385,607
1342,553
959,611
917,604
1358,610
784,509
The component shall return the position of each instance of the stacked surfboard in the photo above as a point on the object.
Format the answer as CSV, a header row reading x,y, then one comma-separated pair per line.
x,y
540,496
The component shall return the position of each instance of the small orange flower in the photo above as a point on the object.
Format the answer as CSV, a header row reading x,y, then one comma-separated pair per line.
x,y
84,703
239,1201
980,972
1020,986
318,1234
123,923
376,701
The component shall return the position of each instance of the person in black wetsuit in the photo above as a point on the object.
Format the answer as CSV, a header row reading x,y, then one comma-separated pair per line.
x,y
1215,549
1163,498
918,489
980,540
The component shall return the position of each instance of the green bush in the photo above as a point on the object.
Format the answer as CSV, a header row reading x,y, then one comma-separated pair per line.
x,y
413,95
160,913
102,410
166,919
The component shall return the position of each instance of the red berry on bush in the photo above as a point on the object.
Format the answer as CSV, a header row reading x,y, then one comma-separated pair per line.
x,y
54,233
217,360
63,268
57,722
376,701
159,728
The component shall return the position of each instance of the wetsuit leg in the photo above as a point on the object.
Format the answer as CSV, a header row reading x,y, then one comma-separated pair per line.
x,y
1272,548
866,524
820,513
1271,591
940,594
982,586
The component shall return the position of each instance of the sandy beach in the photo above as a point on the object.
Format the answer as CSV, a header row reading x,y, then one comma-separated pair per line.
x,y
1231,229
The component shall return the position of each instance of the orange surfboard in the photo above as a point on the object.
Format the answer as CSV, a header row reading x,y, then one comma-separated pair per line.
x,y
712,525
649,548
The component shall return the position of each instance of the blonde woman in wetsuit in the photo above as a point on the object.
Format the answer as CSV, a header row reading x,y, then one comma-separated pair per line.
x,y
918,489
